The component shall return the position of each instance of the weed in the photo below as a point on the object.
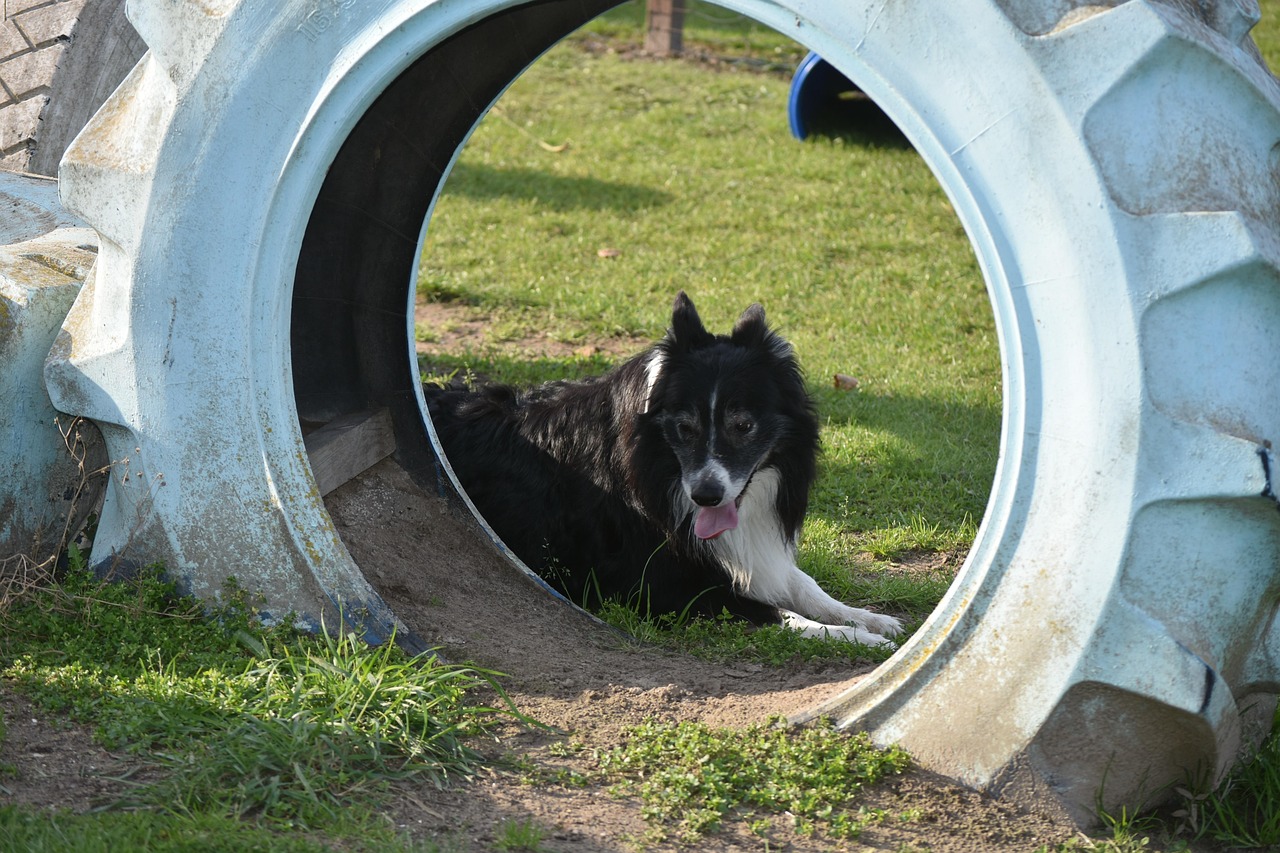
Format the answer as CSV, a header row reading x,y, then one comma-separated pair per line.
x,y
1244,811
522,835
690,777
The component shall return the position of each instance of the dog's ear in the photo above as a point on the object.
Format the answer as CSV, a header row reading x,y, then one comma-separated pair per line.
x,y
750,328
752,331
687,331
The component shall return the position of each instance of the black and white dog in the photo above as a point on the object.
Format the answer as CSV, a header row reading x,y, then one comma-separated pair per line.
x,y
678,480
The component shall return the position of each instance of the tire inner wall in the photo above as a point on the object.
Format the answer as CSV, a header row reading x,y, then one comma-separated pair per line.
x,y
356,270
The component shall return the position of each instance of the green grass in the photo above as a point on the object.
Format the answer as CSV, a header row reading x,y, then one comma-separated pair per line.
x,y
111,832
728,639
520,835
691,778
237,723
1245,810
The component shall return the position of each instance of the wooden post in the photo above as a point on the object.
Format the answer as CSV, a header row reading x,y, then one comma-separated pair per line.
x,y
664,25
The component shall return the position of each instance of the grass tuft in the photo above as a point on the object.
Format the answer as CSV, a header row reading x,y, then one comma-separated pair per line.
x,y
727,639
321,723
1244,811
691,777
238,720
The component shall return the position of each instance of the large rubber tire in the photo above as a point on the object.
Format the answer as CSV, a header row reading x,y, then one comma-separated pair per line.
x,y
59,61
1114,170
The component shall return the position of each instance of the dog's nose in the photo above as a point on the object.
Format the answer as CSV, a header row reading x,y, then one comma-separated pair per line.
x,y
707,493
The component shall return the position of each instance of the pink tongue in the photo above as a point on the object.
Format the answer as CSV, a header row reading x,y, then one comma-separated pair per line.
x,y
711,521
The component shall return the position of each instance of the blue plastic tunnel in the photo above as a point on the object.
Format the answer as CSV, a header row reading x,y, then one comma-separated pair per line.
x,y
816,91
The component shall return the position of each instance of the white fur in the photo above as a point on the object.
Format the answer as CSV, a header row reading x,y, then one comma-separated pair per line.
x,y
761,562
652,373
821,631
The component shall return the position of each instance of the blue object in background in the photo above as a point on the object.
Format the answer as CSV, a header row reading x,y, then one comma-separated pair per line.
x,y
815,90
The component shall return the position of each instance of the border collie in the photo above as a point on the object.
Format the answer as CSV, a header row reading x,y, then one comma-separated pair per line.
x,y
677,481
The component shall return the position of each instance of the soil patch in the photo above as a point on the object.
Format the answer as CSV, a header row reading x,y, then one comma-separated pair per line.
x,y
455,327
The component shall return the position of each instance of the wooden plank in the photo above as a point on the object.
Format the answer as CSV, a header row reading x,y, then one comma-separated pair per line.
x,y
664,27
347,446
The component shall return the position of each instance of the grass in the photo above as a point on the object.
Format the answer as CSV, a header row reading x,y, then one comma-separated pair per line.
x,y
691,778
729,640
520,835
242,729
57,832
1245,810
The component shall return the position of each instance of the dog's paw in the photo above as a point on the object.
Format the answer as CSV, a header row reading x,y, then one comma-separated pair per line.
x,y
852,633
872,623
877,623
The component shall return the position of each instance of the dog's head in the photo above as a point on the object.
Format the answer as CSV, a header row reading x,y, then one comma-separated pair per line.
x,y
727,406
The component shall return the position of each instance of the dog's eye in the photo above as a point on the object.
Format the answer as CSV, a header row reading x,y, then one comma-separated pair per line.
x,y
743,426
686,430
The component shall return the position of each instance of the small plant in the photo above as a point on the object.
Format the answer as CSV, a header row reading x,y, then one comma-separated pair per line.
x,y
521,835
1129,833
1244,811
691,777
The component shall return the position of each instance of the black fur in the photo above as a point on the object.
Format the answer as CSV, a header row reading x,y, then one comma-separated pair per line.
x,y
582,479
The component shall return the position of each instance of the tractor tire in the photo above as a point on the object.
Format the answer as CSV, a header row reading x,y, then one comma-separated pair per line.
x,y
1113,165
59,60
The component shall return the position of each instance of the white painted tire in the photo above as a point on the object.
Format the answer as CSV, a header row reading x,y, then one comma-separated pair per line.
x,y
59,60
266,172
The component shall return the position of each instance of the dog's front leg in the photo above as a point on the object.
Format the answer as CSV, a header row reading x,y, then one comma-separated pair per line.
x,y
819,630
807,608
810,605
762,563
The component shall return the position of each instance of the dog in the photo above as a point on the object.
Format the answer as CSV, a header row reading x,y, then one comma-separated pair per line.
x,y
677,481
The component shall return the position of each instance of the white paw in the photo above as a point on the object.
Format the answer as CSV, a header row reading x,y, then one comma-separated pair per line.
x,y
872,623
852,633
877,623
